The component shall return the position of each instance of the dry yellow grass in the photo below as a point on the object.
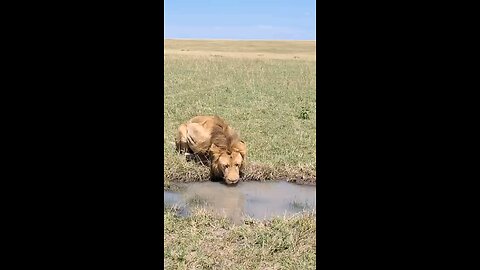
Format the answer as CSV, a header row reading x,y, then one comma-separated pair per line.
x,y
296,50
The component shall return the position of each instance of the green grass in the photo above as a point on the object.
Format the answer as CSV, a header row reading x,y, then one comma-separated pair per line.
x,y
266,91
270,102
205,241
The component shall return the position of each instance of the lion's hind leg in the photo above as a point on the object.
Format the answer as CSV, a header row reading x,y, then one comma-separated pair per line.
x,y
198,138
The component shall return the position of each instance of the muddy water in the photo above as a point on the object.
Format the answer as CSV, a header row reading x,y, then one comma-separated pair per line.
x,y
258,200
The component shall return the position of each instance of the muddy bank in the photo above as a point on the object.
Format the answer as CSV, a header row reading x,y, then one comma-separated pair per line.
x,y
181,184
253,173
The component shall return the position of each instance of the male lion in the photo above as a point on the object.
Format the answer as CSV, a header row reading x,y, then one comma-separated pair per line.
x,y
212,137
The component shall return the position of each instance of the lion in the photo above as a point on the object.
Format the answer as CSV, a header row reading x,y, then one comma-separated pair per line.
x,y
213,138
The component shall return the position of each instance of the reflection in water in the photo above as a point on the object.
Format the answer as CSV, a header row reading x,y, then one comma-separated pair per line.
x,y
259,200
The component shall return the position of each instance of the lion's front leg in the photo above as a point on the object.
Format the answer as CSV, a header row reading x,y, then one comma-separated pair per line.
x,y
181,141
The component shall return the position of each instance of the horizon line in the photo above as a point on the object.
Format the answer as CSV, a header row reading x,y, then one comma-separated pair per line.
x,y
240,39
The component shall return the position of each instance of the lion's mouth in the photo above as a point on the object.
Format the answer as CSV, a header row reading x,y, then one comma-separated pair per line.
x,y
231,183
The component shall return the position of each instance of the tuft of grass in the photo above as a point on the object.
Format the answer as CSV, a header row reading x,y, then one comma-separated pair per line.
x,y
205,241
260,98
304,113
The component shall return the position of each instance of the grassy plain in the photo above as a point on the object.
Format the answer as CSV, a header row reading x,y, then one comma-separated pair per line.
x,y
266,91
263,89
286,50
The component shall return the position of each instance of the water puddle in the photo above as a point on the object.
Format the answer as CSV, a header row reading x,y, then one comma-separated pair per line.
x,y
258,200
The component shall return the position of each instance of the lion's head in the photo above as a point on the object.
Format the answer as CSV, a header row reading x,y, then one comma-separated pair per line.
x,y
227,162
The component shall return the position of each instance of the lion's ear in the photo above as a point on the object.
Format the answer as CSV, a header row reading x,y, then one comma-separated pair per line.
x,y
241,147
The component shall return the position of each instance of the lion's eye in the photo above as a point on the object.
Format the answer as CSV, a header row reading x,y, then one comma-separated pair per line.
x,y
226,166
236,165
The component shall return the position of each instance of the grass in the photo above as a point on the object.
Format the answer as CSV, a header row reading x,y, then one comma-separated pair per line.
x,y
205,241
265,90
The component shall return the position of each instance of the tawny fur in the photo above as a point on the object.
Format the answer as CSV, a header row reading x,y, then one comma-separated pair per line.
x,y
212,137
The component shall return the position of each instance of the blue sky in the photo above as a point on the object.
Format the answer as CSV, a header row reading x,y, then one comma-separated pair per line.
x,y
240,19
